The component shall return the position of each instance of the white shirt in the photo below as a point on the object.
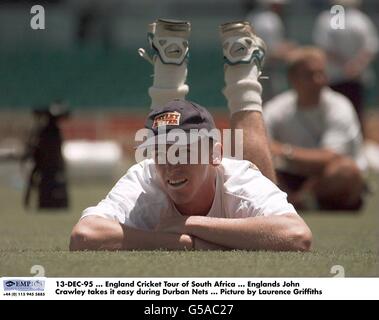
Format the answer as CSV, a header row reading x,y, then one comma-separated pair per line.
x,y
359,33
333,124
242,191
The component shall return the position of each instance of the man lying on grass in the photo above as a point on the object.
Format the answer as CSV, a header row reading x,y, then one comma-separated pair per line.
x,y
186,197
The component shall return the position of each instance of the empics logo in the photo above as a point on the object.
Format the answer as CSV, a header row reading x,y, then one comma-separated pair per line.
x,y
24,285
9,284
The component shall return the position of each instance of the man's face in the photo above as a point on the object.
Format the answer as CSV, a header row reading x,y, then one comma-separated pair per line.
x,y
184,183
310,77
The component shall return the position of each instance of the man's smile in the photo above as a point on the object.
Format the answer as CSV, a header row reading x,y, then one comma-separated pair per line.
x,y
177,183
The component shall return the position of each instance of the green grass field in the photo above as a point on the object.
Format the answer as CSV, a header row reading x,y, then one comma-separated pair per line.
x,y
41,238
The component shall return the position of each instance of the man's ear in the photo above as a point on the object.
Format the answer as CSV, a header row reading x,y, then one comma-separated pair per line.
x,y
217,154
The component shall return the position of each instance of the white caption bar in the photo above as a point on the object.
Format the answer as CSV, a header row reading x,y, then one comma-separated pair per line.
x,y
34,288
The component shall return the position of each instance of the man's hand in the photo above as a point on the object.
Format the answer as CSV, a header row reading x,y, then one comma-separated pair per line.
x,y
178,225
172,224
187,241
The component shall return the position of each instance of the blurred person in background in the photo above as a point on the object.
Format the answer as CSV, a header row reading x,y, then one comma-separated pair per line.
x,y
267,18
316,138
44,149
350,51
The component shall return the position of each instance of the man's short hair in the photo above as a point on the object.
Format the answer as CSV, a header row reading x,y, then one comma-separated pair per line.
x,y
301,56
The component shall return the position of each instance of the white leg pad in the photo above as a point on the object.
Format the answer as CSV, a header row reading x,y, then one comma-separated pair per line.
x,y
243,90
161,96
169,83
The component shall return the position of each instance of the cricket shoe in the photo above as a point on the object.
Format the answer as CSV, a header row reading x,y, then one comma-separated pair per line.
x,y
241,45
168,40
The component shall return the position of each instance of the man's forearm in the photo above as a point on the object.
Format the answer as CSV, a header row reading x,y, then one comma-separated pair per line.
x,y
135,239
96,233
303,161
276,233
200,244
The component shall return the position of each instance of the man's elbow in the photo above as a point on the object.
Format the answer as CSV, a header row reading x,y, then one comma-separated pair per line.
x,y
302,239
